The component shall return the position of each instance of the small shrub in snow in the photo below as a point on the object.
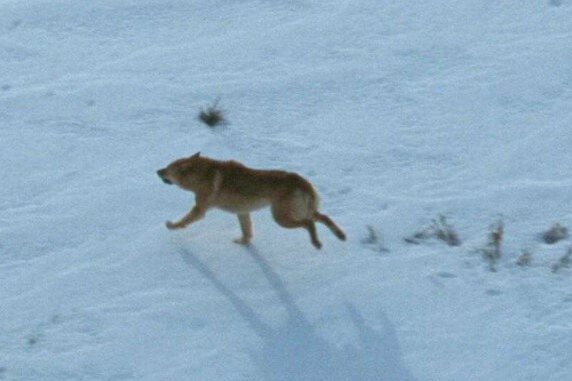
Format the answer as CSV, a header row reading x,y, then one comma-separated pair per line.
x,y
374,240
440,229
525,258
492,251
212,116
563,262
556,233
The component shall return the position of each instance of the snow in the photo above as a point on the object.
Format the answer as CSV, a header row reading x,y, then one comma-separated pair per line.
x,y
397,111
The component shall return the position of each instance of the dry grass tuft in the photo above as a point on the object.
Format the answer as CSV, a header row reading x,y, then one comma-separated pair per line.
x,y
563,262
440,229
212,116
556,233
492,251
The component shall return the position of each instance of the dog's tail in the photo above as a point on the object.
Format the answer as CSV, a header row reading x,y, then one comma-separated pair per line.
x,y
330,224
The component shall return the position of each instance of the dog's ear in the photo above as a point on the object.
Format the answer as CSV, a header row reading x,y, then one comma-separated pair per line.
x,y
196,155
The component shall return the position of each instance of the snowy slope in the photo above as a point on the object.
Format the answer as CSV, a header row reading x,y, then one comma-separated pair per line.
x,y
397,111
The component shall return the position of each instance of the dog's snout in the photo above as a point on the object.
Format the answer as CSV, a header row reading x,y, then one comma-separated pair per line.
x,y
161,174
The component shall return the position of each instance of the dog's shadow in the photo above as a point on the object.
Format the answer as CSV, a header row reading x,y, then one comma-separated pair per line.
x,y
295,351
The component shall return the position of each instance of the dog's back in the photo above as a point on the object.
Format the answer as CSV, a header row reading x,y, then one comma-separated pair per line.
x,y
243,187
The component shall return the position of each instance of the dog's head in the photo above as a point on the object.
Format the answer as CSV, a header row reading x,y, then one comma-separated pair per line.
x,y
179,171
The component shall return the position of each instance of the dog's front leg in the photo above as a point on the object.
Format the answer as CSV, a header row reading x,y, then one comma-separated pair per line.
x,y
246,227
194,215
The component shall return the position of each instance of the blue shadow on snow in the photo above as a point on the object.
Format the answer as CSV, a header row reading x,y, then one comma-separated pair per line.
x,y
295,352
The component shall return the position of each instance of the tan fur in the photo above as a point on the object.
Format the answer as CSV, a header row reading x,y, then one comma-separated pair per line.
x,y
231,186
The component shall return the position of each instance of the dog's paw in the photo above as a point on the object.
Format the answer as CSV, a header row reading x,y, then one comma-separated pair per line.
x,y
242,241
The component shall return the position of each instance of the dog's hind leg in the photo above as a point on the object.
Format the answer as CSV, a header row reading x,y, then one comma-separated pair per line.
x,y
246,227
283,218
330,224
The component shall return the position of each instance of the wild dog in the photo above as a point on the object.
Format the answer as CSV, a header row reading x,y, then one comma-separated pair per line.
x,y
236,188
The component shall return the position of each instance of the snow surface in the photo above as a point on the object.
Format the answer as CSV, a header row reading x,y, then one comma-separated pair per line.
x,y
398,112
